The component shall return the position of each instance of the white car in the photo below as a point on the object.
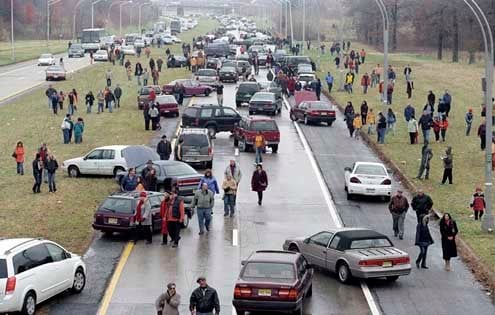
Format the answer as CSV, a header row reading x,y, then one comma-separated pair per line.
x,y
139,43
207,77
100,55
46,60
109,160
34,270
128,50
368,179
176,39
167,40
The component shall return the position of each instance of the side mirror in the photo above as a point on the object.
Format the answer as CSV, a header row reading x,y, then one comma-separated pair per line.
x,y
306,241
85,158
243,262
347,169
390,171
68,255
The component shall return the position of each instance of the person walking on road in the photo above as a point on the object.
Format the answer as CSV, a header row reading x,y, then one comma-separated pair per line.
x,y
426,156
37,173
204,299
477,203
204,200
51,168
18,155
164,148
229,187
422,204
233,170
174,214
423,240
220,94
168,303
210,181
154,114
259,182
448,230
143,219
448,165
398,207
259,145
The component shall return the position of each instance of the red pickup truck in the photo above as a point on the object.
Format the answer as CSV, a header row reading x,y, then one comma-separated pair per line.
x,y
248,127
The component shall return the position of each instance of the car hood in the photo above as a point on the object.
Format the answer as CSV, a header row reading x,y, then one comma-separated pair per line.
x,y
298,239
73,161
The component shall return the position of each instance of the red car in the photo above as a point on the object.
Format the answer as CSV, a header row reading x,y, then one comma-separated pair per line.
x,y
167,105
248,127
144,93
192,87
314,112
304,95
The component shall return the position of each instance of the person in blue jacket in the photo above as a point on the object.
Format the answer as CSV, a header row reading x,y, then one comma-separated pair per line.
x,y
211,181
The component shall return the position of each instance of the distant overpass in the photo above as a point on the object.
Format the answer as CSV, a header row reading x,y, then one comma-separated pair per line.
x,y
191,6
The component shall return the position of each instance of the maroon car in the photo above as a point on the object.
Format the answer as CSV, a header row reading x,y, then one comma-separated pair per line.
x,y
192,87
144,93
245,132
314,112
167,105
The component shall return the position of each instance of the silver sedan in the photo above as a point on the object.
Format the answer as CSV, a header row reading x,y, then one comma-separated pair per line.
x,y
352,252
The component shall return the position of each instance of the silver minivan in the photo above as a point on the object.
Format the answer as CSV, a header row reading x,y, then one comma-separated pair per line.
x,y
194,147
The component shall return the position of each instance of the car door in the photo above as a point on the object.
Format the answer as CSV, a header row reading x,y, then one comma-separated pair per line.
x,y
230,118
333,253
63,267
156,202
107,162
188,87
91,161
316,249
299,110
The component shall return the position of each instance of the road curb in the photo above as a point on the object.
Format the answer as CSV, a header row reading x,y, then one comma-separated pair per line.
x,y
480,271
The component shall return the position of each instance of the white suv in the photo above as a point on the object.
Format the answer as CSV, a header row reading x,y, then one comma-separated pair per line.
x,y
34,270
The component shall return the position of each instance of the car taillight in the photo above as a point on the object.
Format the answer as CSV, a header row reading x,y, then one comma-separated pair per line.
x,y
10,287
386,182
210,151
312,113
288,294
371,262
242,292
355,180
401,260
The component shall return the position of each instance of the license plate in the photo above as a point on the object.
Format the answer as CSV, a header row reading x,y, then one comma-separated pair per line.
x,y
166,111
265,292
112,221
387,264
323,114
192,153
370,190
55,76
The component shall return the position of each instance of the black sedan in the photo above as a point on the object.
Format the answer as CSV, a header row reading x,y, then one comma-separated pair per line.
x,y
177,62
228,74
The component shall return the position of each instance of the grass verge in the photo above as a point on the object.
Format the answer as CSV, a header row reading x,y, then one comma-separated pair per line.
x,y
29,49
66,216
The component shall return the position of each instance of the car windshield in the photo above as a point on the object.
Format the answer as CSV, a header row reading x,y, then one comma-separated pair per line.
x,y
264,125
319,105
179,169
118,205
54,68
46,56
370,243
369,169
263,97
207,72
269,270
3,269
227,69
194,140
248,88
165,99
76,46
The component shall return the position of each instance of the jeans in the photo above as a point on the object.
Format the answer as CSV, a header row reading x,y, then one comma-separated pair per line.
x,y
55,108
70,109
204,218
391,127
229,204
66,136
381,135
110,106
49,103
260,197
398,223
220,99
37,183
20,168
109,82
145,82
258,159
423,250
426,135
443,132
88,108
117,101
389,98
370,128
468,129
51,182
78,138
138,78
422,169
330,86
100,107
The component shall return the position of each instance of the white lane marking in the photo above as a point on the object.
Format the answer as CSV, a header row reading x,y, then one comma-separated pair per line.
x,y
234,312
331,206
235,237
236,152
18,69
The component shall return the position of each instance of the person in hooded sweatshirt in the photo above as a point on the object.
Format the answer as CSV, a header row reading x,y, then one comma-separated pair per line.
x,y
423,240
448,165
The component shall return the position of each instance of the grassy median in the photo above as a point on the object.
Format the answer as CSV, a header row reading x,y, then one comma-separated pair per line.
x,y
66,216
463,83
29,49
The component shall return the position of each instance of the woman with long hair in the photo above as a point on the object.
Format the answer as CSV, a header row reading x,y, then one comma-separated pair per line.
x,y
448,230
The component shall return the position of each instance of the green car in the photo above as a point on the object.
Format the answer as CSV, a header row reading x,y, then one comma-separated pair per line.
x,y
245,91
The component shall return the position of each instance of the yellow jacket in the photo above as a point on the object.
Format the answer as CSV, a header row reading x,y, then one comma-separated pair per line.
x,y
357,122
370,118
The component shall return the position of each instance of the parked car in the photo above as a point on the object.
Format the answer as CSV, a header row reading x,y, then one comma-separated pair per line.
x,y
46,60
167,105
76,50
144,93
177,62
245,132
194,147
245,91
369,179
192,87
304,96
265,102
304,68
176,39
55,73
352,252
273,281
213,63
217,49
207,77
128,50
167,40
109,160
35,270
228,74
213,117
243,64
172,173
262,59
271,86
306,78
100,55
314,112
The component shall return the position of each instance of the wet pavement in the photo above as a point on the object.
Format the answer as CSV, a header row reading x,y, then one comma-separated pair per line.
x,y
290,208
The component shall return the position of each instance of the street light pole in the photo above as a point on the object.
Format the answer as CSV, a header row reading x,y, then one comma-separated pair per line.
x,y
74,18
384,13
488,220
12,28
93,12
291,26
303,26
48,4
140,8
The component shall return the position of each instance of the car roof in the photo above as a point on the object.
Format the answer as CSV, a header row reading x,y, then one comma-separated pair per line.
x,y
248,83
276,256
264,93
203,105
132,194
194,131
112,147
259,118
370,163
8,245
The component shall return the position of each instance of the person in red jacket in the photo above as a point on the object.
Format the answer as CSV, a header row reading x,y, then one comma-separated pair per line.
x,y
478,203
174,216
18,155
444,124
436,128
365,82
291,86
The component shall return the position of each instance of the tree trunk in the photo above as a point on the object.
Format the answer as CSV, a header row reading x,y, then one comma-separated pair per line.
x,y
455,46
395,22
440,37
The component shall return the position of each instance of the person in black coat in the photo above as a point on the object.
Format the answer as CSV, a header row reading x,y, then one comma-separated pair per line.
x,y
204,299
259,182
448,230
147,119
118,94
164,148
37,173
423,240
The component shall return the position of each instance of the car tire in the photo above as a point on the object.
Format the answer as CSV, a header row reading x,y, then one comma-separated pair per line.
x,y
275,148
239,312
29,304
310,291
330,123
343,273
209,164
117,169
349,195
392,278
73,171
207,92
293,117
79,281
306,121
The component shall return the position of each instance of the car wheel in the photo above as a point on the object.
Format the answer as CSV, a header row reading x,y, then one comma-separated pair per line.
x,y
239,312
344,273
275,148
212,131
207,92
117,170
392,278
242,145
293,248
310,291
107,234
330,123
209,164
293,117
74,171
29,304
349,195
79,281
306,121
386,198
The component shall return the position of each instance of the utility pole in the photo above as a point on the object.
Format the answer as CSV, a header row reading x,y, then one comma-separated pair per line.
x,y
47,23
384,13
291,26
303,26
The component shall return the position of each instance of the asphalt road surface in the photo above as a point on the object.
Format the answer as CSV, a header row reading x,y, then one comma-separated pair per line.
x,y
22,76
